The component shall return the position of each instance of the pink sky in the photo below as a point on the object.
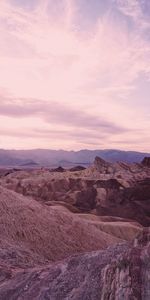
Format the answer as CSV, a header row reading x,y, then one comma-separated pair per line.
x,y
74,74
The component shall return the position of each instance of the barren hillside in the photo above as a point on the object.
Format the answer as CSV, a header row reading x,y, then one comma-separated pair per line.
x,y
52,233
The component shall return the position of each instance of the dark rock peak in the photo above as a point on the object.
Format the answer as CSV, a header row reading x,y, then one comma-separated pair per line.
x,y
77,168
59,169
99,161
146,161
100,164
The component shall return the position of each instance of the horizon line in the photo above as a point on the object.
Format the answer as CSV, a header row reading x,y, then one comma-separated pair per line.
x,y
83,149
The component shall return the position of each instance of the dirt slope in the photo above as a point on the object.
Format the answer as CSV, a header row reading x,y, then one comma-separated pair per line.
x,y
51,233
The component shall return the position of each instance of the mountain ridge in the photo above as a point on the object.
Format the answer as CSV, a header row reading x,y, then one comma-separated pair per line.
x,y
54,158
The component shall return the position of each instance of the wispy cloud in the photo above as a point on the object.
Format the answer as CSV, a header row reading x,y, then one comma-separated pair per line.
x,y
87,78
130,7
56,113
135,9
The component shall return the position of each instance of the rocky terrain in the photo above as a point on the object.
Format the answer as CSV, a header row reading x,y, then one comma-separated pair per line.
x,y
75,234
120,272
104,189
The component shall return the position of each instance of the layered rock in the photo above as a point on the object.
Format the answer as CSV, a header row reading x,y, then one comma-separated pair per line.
x,y
104,197
120,272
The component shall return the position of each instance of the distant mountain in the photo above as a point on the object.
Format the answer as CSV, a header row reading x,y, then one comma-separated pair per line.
x,y
55,158
29,164
8,159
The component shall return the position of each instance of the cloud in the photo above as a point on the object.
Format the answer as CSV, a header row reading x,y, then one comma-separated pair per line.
x,y
57,72
130,7
56,113
135,10
58,53
53,134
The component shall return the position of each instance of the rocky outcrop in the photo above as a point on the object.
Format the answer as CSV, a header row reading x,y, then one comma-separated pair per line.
x,y
146,162
126,172
120,272
126,197
105,167
102,166
132,202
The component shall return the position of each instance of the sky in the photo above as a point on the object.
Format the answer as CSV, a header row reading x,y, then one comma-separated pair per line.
x,y
75,74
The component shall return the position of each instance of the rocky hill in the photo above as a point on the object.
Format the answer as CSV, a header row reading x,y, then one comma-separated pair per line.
x,y
52,232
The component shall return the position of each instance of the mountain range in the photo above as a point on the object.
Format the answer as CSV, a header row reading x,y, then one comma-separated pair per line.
x,y
55,158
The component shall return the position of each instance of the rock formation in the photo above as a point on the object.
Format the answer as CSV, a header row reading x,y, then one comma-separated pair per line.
x,y
146,161
120,272
104,189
